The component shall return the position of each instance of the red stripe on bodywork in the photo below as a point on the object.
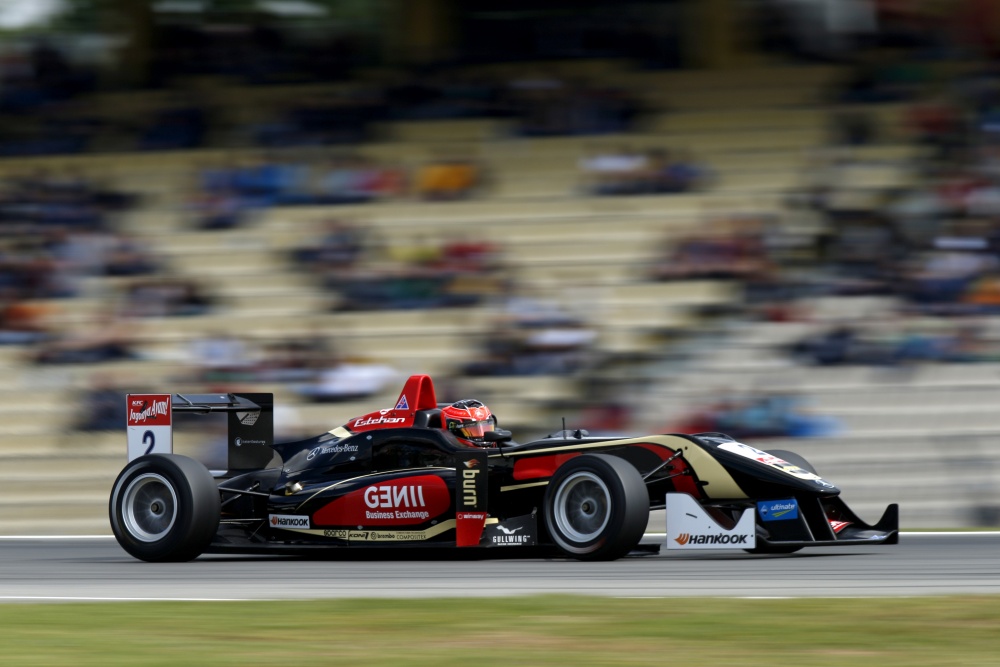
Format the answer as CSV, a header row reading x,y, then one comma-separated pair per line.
x,y
540,466
660,450
682,483
839,525
469,528
404,501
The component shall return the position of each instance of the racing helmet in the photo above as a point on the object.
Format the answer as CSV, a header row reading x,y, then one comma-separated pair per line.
x,y
469,420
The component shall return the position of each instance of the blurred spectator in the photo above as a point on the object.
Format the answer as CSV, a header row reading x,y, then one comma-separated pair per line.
x,y
126,256
339,248
23,322
320,121
902,338
225,195
183,126
619,172
731,248
444,94
220,358
626,172
535,337
41,200
419,275
106,338
165,297
103,406
402,288
348,380
546,105
34,75
448,179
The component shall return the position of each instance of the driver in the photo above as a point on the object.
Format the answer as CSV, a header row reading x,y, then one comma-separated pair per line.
x,y
469,420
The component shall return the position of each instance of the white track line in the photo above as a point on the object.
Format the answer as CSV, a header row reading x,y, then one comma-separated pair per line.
x,y
657,536
83,598
56,537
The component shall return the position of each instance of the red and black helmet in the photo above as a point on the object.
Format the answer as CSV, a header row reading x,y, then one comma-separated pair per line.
x,y
469,420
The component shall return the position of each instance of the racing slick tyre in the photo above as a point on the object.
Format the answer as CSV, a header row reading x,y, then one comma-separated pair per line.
x,y
794,458
165,507
596,507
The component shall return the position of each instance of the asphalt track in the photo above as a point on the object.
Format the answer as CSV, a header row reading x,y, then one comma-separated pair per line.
x,y
95,568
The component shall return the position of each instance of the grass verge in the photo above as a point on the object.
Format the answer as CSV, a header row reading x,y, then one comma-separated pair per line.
x,y
546,630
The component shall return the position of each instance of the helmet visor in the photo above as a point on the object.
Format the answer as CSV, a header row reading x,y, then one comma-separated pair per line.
x,y
474,430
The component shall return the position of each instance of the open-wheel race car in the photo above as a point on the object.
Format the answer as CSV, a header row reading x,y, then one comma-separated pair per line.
x,y
414,476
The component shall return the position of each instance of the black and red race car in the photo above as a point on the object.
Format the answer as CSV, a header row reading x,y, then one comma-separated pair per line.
x,y
398,478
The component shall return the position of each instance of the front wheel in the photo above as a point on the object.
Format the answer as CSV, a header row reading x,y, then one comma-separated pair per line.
x,y
165,507
596,507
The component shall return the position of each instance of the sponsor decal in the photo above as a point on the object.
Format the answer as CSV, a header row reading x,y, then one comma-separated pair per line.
x,y
839,526
330,449
148,429
687,539
472,481
689,526
385,502
381,419
771,460
778,510
404,501
384,535
470,498
149,410
288,521
516,532
402,404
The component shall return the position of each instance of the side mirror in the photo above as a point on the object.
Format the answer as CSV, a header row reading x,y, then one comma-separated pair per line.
x,y
497,435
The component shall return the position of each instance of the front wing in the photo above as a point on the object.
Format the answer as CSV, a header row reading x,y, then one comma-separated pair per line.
x,y
784,524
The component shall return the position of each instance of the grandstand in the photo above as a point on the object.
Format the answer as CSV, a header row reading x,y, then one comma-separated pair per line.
x,y
910,440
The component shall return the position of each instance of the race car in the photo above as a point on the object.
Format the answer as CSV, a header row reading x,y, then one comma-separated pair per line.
x,y
399,478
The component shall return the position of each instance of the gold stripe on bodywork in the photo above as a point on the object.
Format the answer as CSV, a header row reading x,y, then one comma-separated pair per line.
x,y
719,483
662,440
516,487
383,535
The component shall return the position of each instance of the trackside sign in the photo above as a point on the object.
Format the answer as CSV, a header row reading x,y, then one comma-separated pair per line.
x,y
689,526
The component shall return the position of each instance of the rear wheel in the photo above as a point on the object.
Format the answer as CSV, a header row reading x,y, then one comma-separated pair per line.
x,y
596,507
165,507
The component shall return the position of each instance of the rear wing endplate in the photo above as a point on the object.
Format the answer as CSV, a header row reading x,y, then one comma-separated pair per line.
x,y
250,425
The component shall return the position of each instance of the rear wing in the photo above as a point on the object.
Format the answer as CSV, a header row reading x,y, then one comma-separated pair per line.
x,y
249,432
